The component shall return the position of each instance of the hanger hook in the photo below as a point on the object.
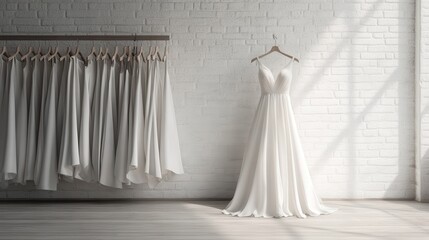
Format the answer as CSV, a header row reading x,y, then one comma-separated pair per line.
x,y
275,39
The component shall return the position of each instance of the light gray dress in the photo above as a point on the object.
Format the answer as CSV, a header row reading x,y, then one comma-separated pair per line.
x,y
109,125
34,108
46,177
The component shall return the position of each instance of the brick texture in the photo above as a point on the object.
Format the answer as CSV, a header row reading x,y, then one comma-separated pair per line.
x,y
353,90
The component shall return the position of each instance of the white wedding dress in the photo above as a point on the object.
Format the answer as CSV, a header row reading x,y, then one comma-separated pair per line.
x,y
274,179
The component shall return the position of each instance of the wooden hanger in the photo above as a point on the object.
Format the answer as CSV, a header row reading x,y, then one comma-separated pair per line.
x,y
79,54
141,53
92,53
124,53
275,48
149,56
106,55
67,54
100,53
56,53
18,51
156,54
30,51
115,54
3,52
38,54
47,54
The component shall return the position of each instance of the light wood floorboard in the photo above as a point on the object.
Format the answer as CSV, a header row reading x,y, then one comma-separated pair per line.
x,y
369,219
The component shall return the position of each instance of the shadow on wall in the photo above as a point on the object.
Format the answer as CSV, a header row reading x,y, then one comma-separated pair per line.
x,y
384,168
403,184
381,168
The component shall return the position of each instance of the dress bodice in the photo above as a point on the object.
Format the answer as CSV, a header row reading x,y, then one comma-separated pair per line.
x,y
270,84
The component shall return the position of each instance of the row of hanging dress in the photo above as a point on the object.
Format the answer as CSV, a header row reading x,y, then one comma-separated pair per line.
x,y
110,121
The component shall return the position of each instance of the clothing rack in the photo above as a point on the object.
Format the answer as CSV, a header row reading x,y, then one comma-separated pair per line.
x,y
134,37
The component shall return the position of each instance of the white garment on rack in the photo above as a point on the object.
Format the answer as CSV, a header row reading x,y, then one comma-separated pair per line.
x,y
46,177
34,109
62,101
97,115
22,85
121,160
274,180
38,170
8,144
3,87
111,121
151,140
84,170
69,154
3,76
136,155
109,126
169,153
158,127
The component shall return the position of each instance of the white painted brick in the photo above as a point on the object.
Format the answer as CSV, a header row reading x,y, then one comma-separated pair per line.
x,y
352,91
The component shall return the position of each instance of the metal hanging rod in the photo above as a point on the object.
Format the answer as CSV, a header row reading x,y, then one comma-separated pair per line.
x,y
85,37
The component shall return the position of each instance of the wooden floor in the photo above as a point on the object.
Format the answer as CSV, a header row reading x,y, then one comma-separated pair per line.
x,y
370,219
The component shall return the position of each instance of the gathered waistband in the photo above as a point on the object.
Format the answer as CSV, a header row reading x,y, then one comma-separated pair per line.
x,y
268,94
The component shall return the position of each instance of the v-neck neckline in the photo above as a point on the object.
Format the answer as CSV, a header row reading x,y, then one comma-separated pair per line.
x,y
271,72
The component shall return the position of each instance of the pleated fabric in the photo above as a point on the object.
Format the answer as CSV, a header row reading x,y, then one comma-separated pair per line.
x,y
84,171
274,179
169,153
8,138
34,108
97,117
69,156
136,124
22,118
124,87
151,140
4,69
109,125
106,120
47,152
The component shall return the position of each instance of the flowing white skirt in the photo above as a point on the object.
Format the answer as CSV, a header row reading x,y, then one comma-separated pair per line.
x,y
274,179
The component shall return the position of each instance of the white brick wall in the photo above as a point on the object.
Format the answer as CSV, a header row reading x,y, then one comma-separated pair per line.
x,y
353,92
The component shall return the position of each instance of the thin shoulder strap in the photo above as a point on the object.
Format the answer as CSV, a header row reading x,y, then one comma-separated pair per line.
x,y
258,62
293,60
